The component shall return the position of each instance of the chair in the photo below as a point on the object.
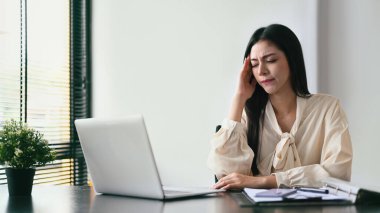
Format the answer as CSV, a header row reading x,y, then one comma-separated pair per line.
x,y
216,130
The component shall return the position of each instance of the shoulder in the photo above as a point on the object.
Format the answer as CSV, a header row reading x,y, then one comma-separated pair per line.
x,y
322,101
328,108
323,98
322,104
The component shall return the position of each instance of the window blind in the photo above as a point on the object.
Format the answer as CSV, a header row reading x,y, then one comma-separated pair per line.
x,y
53,81
48,80
10,66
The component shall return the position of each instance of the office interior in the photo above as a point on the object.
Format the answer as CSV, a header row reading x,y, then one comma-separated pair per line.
x,y
176,62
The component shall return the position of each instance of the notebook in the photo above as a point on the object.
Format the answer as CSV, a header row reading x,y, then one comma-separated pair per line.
x,y
120,160
334,192
297,197
359,195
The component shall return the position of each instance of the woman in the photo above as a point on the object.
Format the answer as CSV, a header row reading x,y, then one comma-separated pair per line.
x,y
277,132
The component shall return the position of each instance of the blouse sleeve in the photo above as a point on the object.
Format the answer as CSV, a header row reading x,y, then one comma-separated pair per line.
x,y
229,149
336,156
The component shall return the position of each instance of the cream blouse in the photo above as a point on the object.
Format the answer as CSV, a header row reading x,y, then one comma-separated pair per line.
x,y
318,145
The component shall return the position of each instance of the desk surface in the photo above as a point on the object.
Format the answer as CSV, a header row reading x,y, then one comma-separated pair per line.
x,y
84,199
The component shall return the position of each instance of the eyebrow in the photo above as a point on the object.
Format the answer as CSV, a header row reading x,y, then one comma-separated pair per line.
x,y
265,56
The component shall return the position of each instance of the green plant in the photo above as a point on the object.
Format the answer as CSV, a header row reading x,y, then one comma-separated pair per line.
x,y
22,147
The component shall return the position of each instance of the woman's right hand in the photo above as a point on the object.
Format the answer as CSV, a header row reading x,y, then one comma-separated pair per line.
x,y
246,88
247,82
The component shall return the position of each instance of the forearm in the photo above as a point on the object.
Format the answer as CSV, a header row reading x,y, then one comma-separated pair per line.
x,y
239,181
229,151
310,175
263,182
236,109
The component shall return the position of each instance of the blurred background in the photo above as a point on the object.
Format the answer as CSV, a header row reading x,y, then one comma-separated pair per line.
x,y
176,62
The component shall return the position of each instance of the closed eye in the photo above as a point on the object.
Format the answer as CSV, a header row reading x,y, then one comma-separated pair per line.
x,y
271,60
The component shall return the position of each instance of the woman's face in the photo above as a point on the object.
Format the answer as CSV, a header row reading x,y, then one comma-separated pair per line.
x,y
270,67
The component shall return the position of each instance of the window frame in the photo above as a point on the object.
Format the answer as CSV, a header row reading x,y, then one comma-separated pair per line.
x,y
80,93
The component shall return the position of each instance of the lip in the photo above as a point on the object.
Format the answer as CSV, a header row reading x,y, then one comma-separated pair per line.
x,y
267,81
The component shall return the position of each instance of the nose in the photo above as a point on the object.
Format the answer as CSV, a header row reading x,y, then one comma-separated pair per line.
x,y
262,69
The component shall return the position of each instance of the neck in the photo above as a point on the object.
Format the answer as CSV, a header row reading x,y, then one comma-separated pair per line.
x,y
284,103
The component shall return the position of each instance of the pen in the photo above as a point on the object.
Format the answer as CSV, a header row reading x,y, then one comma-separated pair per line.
x,y
313,190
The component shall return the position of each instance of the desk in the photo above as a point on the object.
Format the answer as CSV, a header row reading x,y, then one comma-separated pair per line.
x,y
83,199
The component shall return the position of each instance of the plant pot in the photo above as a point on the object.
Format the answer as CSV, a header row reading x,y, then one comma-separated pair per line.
x,y
20,181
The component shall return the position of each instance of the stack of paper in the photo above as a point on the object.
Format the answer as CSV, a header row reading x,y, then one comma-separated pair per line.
x,y
297,198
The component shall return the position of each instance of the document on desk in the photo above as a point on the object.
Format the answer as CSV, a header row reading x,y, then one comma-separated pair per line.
x,y
300,197
358,195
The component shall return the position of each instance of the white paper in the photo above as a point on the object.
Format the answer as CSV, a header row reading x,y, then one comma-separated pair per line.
x,y
252,194
299,195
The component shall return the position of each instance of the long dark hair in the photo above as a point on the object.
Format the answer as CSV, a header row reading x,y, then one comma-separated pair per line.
x,y
287,42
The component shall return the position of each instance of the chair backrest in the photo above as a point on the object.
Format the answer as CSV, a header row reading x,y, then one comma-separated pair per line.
x,y
216,130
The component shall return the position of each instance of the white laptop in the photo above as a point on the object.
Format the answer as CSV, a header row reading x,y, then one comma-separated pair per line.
x,y
120,160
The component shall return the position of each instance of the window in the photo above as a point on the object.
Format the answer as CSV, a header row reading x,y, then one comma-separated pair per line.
x,y
45,78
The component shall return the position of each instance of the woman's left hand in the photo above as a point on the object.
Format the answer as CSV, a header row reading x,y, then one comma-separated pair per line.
x,y
239,181
233,181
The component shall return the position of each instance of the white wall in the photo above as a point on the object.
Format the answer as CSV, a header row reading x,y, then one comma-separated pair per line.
x,y
177,63
349,50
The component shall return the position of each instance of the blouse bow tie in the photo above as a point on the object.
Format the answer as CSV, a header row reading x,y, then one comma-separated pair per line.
x,y
286,155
